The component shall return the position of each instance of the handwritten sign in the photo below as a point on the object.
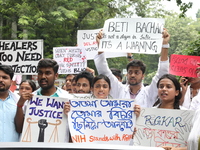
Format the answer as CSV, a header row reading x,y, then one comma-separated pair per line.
x,y
87,38
163,127
22,55
71,60
101,121
44,120
184,65
133,35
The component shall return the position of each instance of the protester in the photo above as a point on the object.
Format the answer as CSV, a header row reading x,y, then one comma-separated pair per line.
x,y
134,89
190,88
8,104
47,74
84,82
169,92
68,82
64,86
195,103
193,142
74,85
101,87
26,87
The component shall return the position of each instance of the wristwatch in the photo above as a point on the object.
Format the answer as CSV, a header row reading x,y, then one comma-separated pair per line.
x,y
130,57
166,46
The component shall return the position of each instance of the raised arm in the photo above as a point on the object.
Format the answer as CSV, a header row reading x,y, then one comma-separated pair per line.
x,y
19,117
165,47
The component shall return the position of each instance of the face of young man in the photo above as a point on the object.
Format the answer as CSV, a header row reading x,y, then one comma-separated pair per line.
x,y
135,76
46,78
83,86
68,83
5,81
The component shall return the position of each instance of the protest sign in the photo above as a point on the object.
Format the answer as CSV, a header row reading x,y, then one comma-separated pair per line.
x,y
22,55
163,127
133,35
87,38
44,120
108,121
184,65
71,60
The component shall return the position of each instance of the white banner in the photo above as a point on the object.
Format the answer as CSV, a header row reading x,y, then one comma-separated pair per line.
x,y
87,38
22,55
44,120
71,60
108,121
133,35
163,127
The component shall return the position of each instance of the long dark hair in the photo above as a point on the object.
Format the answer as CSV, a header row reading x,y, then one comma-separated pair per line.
x,y
177,86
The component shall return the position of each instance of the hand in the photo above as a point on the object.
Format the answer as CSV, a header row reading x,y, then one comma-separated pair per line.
x,y
91,71
184,83
24,97
137,110
98,37
165,36
67,108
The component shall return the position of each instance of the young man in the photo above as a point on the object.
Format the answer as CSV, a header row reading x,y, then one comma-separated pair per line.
x,y
84,82
68,82
190,91
47,74
134,89
8,104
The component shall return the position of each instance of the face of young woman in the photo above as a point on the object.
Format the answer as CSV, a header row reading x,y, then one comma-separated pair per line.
x,y
25,88
101,89
167,90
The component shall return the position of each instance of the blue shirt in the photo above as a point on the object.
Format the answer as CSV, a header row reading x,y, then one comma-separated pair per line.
x,y
8,110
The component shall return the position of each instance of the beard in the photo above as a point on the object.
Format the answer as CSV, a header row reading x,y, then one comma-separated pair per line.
x,y
136,83
47,86
5,88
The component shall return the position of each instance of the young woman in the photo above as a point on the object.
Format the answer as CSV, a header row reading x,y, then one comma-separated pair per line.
x,y
26,88
169,92
101,87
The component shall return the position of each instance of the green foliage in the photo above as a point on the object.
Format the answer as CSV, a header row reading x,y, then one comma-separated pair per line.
x,y
183,7
193,48
57,22
182,31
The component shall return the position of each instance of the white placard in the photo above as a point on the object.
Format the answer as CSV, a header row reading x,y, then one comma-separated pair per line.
x,y
87,38
44,120
163,127
108,121
22,55
133,35
71,60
